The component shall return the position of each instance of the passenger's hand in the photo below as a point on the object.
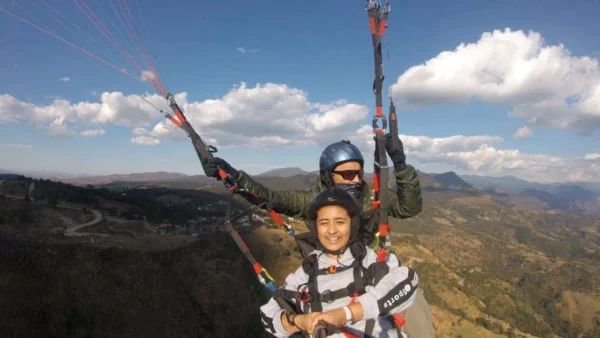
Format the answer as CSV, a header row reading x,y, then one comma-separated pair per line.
x,y
307,321
335,319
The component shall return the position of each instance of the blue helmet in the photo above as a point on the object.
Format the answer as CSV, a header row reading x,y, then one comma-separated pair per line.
x,y
338,153
334,155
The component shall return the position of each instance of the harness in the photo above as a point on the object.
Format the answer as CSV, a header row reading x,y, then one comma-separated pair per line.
x,y
309,299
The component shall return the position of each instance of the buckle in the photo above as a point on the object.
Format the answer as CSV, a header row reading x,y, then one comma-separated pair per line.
x,y
327,296
305,297
351,289
375,124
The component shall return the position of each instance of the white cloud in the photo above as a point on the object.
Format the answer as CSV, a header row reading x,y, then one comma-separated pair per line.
x,y
93,132
592,157
265,115
476,155
113,108
523,132
65,79
58,129
243,50
261,116
546,85
15,145
145,140
275,115
140,131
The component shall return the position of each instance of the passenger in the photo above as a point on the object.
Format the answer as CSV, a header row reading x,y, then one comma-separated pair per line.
x,y
340,282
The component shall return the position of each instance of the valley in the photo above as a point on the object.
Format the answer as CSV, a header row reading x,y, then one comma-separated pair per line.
x,y
491,264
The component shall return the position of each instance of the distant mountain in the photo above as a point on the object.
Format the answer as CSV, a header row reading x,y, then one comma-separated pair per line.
x,y
501,184
514,185
427,180
40,173
285,172
146,177
569,198
593,186
581,197
451,180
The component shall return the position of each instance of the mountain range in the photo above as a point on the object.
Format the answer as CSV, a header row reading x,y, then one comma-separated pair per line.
x,y
514,185
582,197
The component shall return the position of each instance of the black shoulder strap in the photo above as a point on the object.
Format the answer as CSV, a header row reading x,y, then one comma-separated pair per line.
x,y
313,290
359,251
305,243
310,265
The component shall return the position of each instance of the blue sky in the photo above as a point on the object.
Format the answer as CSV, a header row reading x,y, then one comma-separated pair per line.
x,y
324,51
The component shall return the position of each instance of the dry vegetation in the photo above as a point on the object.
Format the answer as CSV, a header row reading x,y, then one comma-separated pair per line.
x,y
489,268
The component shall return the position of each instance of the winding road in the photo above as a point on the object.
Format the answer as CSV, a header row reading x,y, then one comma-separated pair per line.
x,y
72,231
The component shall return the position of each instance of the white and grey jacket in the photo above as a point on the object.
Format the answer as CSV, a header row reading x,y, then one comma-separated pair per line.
x,y
393,291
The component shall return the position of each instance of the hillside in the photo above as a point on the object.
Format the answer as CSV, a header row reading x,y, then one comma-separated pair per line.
x,y
125,279
570,198
128,289
490,268
490,265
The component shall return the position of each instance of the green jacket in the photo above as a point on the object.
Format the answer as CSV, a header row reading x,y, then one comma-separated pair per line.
x,y
404,203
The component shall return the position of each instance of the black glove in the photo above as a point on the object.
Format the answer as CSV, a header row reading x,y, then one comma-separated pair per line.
x,y
396,152
211,168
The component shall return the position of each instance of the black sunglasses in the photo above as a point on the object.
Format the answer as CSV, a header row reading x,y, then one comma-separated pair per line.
x,y
349,175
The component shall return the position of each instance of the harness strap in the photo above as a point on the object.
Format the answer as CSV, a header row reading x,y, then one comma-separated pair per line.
x,y
315,304
333,269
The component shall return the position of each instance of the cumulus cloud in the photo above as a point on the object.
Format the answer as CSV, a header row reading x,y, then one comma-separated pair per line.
x,y
113,108
481,154
265,115
523,132
15,146
65,79
592,157
145,141
260,116
93,132
58,129
546,85
276,115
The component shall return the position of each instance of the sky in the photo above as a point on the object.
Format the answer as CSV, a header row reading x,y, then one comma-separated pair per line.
x,y
488,88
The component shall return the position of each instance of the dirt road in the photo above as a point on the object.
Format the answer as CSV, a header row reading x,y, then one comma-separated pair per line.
x,y
72,231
